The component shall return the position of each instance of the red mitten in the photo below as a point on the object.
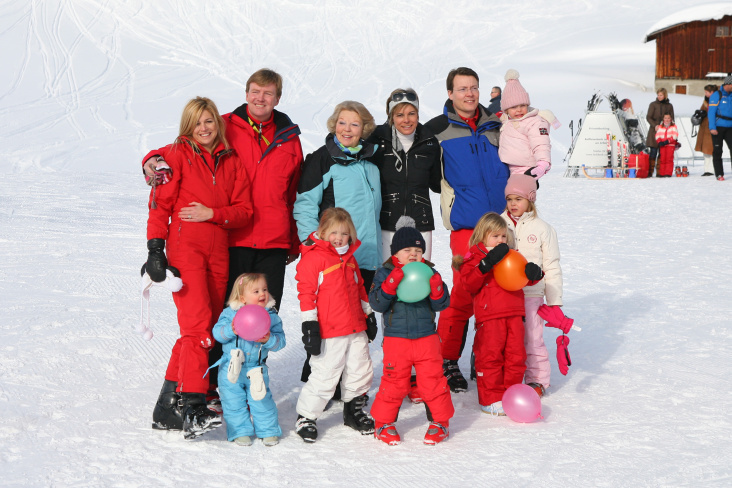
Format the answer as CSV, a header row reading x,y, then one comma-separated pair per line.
x,y
563,359
437,287
391,282
555,317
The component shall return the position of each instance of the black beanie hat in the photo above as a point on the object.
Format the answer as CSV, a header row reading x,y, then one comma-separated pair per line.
x,y
406,235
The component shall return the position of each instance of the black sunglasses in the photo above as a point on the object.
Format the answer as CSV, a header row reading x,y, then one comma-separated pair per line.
x,y
398,97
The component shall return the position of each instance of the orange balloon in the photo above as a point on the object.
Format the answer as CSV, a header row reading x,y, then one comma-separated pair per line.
x,y
510,272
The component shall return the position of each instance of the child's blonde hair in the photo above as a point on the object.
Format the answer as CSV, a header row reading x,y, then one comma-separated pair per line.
x,y
243,281
490,222
333,217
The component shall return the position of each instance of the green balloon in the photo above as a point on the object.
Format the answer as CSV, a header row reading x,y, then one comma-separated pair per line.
x,y
415,285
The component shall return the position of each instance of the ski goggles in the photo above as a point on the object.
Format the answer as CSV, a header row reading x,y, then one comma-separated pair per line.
x,y
398,97
403,97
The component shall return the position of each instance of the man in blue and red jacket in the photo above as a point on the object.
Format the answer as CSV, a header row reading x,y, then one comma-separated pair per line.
x,y
720,124
476,177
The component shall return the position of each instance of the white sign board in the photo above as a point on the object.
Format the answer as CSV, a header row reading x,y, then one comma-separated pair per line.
x,y
590,147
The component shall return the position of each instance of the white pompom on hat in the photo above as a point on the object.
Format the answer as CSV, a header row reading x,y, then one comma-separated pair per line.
x,y
514,94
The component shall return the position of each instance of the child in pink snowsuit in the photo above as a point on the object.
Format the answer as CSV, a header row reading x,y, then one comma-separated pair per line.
x,y
667,137
524,144
537,242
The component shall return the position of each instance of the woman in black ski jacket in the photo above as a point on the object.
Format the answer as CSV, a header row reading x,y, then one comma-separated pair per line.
x,y
408,158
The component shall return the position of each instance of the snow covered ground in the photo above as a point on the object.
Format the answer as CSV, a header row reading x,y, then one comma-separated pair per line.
x,y
91,85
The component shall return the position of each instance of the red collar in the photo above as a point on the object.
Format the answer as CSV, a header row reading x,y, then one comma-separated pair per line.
x,y
472,121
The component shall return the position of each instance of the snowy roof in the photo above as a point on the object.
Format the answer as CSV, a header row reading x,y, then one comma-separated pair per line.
x,y
709,11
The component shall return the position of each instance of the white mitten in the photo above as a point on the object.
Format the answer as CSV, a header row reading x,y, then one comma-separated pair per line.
x,y
237,358
256,383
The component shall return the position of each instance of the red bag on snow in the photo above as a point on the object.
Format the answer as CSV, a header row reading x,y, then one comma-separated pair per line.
x,y
640,163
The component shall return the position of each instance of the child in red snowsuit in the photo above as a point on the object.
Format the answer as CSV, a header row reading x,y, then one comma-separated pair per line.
x,y
667,137
410,340
500,357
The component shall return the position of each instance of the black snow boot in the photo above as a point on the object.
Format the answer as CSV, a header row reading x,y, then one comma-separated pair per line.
x,y
455,379
306,429
355,417
167,414
197,418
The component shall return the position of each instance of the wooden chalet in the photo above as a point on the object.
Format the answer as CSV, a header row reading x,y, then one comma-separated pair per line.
x,y
693,48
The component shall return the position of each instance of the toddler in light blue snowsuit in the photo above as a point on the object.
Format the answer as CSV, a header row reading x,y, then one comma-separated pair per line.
x,y
244,415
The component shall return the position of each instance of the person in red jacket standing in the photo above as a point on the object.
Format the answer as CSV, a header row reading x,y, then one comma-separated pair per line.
x,y
500,356
268,144
337,325
208,193
667,137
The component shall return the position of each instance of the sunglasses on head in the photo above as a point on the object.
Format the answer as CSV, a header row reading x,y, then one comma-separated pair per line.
x,y
398,97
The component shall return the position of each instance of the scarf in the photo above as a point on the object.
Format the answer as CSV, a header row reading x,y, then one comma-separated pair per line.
x,y
351,151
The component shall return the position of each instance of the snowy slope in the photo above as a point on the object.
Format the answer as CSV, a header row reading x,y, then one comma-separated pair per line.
x,y
92,85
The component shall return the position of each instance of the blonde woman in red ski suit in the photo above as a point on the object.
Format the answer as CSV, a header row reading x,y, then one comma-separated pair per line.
x,y
667,136
190,216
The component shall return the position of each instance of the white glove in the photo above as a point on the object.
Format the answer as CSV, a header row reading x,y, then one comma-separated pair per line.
x,y
237,358
256,383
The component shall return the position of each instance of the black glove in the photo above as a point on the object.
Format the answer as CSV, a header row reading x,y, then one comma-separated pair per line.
x,y
533,272
156,261
371,326
663,143
311,337
494,256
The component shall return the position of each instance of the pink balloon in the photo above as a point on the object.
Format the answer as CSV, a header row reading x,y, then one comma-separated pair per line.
x,y
521,403
251,322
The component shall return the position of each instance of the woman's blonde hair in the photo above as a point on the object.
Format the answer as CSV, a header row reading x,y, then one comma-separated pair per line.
x,y
333,217
490,222
366,118
664,91
243,281
192,112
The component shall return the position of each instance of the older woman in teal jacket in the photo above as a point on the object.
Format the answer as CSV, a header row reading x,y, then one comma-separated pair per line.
x,y
341,174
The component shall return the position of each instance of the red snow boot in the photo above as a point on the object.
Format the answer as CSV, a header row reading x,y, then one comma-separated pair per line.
x,y
387,434
436,433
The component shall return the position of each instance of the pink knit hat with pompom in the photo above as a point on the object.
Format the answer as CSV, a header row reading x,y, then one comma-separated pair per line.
x,y
514,94
521,185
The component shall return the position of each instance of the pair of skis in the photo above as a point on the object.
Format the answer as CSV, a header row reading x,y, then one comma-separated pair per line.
x,y
622,161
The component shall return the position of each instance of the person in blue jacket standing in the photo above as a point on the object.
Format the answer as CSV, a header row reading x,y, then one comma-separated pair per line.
x,y
341,174
246,399
473,184
720,124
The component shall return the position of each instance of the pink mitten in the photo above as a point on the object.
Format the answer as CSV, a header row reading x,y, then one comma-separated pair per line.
x,y
555,317
563,359
541,168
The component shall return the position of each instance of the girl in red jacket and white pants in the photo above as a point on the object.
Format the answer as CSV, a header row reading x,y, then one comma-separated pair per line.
x,y
500,357
337,325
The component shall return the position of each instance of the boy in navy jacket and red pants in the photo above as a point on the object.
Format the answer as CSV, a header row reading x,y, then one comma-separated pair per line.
x,y
410,340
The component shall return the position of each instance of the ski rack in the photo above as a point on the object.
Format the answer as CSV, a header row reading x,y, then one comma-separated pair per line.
x,y
614,132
